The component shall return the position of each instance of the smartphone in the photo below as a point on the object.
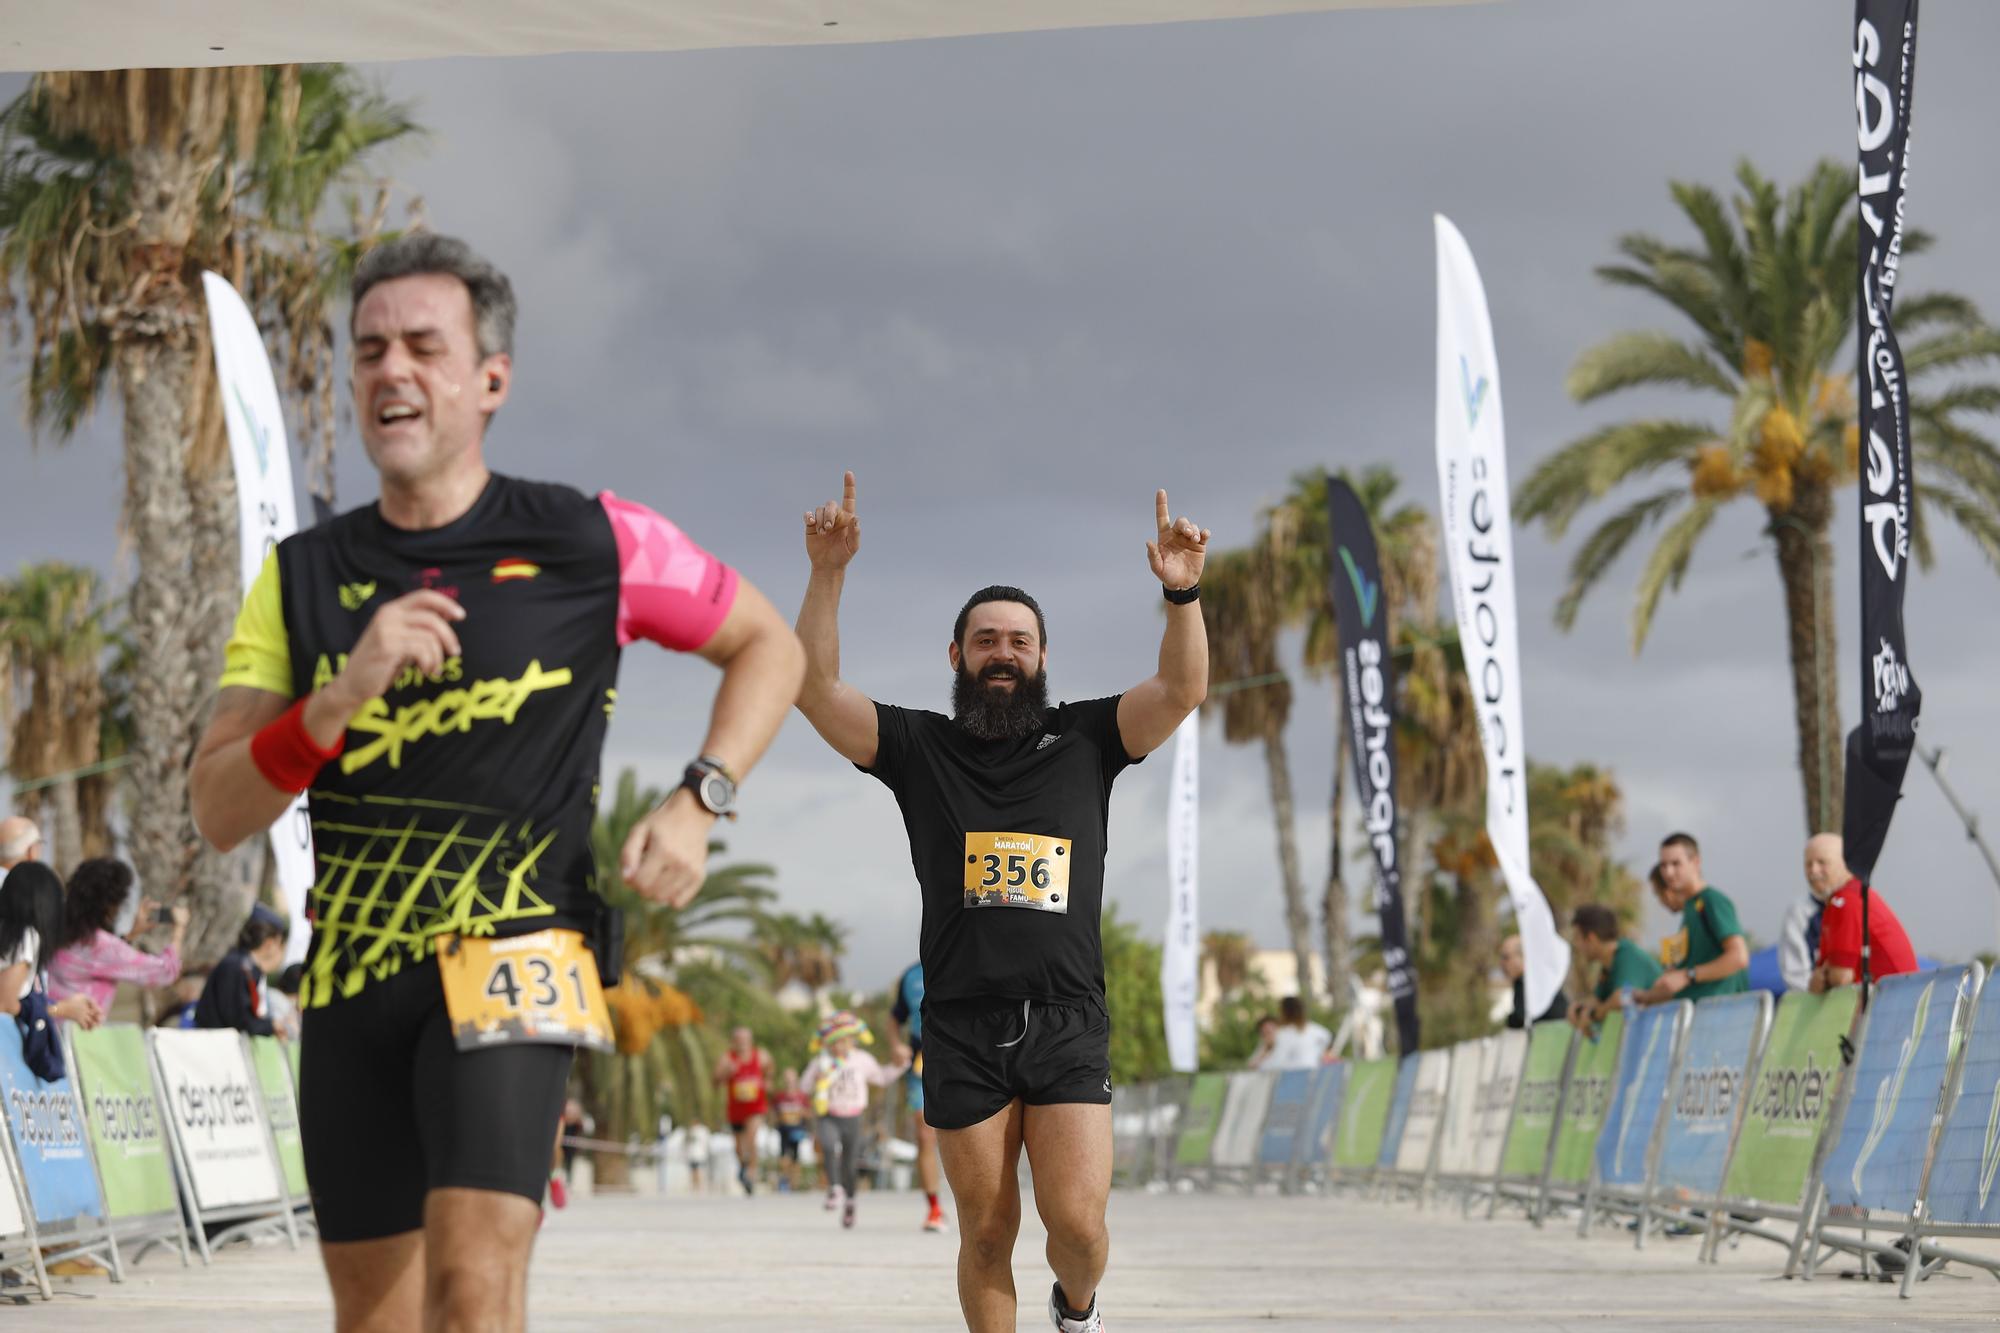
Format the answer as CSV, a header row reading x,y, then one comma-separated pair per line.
x,y
163,916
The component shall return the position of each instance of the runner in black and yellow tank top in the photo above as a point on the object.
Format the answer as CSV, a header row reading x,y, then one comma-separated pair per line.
x,y
437,671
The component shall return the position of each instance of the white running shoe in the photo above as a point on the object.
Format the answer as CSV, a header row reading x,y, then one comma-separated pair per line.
x,y
1090,1322
833,1197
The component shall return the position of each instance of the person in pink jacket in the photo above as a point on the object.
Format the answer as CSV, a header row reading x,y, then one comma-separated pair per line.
x,y
93,958
840,1076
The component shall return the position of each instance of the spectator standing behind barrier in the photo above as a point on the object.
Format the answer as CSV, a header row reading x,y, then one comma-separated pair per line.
x,y
1798,936
1300,1043
93,959
31,913
1513,967
283,997
20,841
1267,1038
1674,947
697,1153
1834,884
1623,968
1718,956
237,994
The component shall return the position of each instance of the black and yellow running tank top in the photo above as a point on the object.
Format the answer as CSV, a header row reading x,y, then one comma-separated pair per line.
x,y
463,801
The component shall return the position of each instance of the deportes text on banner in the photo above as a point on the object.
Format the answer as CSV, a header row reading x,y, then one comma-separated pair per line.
x,y
49,1140
1702,1105
1180,960
1798,1078
1878,750
1368,676
1479,542
213,1106
266,515
127,1134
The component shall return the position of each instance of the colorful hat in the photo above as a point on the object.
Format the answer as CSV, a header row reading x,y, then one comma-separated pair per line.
x,y
842,1023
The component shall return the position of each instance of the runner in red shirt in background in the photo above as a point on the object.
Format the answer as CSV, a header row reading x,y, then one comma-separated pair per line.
x,y
1840,926
744,1072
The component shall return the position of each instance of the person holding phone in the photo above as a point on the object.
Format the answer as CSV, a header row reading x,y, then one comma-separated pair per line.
x,y
94,958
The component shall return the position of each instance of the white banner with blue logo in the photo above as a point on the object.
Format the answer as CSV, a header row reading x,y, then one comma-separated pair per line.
x,y
1640,1096
1478,523
1472,1067
266,515
46,1122
1237,1139
1496,1109
1714,1078
1878,1161
1965,1179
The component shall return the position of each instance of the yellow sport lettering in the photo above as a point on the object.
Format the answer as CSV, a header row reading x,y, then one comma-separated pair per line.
x,y
455,710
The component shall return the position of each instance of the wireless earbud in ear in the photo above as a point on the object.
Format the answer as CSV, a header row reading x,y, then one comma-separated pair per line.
x,y
493,384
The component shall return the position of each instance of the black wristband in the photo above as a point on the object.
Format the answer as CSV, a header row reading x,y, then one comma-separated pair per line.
x,y
1181,596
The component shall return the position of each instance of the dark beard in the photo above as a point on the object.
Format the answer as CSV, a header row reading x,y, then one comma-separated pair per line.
x,y
987,713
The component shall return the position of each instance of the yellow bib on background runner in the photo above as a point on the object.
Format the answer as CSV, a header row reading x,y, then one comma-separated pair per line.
x,y
1017,870
526,988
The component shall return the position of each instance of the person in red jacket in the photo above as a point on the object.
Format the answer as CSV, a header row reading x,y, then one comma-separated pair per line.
x,y
1835,885
744,1072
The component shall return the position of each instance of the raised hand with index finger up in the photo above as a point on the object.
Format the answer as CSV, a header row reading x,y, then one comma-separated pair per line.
x,y
833,532
1179,551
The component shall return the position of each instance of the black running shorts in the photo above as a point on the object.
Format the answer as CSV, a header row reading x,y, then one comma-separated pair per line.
x,y
391,1109
979,1055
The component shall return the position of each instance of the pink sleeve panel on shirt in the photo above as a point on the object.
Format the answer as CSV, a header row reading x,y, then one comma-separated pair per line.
x,y
669,590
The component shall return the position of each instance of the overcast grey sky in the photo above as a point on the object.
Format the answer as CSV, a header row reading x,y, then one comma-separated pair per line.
x,y
1017,283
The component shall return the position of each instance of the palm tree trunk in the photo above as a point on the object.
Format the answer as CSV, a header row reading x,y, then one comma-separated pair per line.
x,y
221,887
1805,566
1298,922
1334,929
156,362
68,844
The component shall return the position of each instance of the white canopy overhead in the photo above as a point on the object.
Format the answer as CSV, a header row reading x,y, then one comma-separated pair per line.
x,y
124,34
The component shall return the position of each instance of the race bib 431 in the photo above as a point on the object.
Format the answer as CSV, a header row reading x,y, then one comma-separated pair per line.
x,y
1017,870
527,988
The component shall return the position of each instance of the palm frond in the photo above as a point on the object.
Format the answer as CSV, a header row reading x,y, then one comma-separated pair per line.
x,y
1593,560
1631,360
1667,565
1586,469
1957,347
1975,519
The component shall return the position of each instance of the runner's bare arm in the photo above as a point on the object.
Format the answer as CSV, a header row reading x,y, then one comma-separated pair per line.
x,y
231,798
842,715
666,857
1150,710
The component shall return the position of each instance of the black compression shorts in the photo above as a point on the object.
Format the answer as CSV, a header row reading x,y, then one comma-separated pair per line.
x,y
391,1109
979,1055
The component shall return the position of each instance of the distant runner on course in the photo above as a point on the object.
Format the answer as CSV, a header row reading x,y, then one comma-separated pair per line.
x,y
437,669
1006,805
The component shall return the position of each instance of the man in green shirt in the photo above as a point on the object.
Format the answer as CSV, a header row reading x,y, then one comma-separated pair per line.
x,y
1622,966
1718,956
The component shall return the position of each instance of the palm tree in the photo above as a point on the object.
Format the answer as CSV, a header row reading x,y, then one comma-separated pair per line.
x,y
676,967
1239,605
52,642
1298,533
1769,288
116,189
1228,952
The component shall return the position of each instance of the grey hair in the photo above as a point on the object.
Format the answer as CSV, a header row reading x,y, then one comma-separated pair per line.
x,y
427,252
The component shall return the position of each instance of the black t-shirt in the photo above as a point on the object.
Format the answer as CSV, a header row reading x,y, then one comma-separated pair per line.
x,y
961,799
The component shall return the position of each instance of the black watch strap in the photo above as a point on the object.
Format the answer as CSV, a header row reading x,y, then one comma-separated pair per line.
x,y
1182,596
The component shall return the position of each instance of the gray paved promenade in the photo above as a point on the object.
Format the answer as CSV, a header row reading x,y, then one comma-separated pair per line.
x,y
779,1265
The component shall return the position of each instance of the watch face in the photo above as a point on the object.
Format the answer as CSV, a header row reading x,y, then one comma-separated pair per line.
x,y
717,793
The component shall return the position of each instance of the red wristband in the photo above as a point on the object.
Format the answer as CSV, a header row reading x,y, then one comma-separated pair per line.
x,y
287,755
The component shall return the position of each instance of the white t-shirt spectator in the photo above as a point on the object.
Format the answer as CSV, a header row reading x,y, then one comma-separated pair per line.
x,y
1298,1048
27,951
1795,955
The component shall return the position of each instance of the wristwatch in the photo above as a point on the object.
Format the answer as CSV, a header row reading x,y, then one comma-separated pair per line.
x,y
713,785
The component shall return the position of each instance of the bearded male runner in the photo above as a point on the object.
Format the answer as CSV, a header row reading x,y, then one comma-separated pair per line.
x,y
1006,807
438,670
